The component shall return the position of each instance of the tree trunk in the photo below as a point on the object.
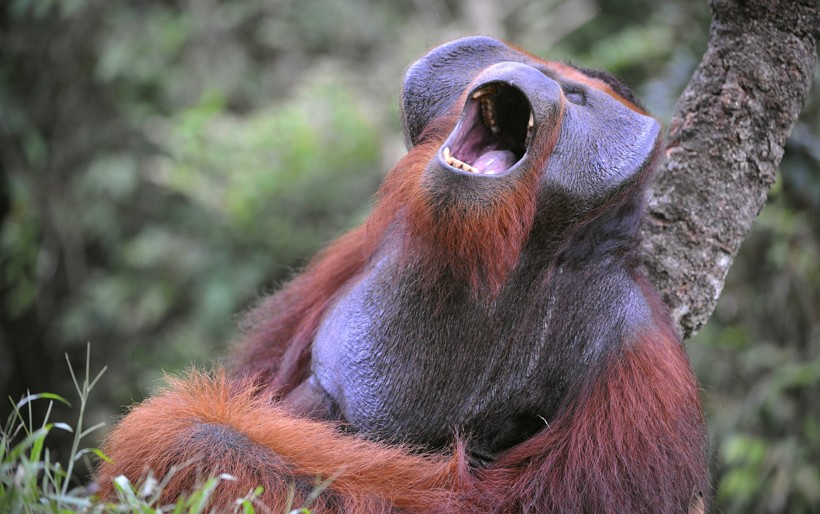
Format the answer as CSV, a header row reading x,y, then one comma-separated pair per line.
x,y
724,145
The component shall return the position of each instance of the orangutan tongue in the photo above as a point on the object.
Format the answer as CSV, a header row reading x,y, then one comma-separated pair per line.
x,y
495,162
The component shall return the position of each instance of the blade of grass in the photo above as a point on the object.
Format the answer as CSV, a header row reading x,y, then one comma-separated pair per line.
x,y
83,392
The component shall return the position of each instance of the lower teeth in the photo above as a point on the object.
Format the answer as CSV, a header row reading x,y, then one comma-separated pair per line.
x,y
452,161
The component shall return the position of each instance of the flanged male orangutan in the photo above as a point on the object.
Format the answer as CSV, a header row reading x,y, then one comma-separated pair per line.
x,y
484,342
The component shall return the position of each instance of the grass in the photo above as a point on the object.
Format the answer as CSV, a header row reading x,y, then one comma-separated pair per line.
x,y
33,481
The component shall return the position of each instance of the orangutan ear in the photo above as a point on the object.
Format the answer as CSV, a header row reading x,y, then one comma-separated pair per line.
x,y
435,82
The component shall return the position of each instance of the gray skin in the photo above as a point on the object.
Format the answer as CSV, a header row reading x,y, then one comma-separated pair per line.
x,y
404,361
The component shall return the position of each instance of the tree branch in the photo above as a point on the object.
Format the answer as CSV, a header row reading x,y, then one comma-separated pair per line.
x,y
724,145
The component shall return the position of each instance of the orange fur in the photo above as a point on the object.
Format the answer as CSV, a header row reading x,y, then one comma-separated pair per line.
x,y
213,426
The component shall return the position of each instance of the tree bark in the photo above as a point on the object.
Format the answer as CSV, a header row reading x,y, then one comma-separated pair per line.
x,y
724,145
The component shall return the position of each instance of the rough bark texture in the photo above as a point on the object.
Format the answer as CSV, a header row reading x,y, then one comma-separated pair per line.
x,y
724,144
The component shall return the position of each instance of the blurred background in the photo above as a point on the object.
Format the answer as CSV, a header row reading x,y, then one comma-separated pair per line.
x,y
166,163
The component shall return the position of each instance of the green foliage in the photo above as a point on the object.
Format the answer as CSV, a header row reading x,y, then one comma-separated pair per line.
x,y
759,361
265,175
146,498
19,244
33,481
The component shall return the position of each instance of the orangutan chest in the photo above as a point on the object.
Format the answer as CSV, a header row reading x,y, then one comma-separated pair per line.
x,y
397,379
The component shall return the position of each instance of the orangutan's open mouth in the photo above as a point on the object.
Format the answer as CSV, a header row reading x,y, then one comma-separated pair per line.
x,y
493,133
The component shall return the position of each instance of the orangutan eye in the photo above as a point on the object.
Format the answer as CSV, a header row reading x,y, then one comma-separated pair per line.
x,y
575,95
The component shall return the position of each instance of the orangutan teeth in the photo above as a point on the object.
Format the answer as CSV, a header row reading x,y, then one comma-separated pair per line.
x,y
488,113
452,161
530,126
486,90
485,96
